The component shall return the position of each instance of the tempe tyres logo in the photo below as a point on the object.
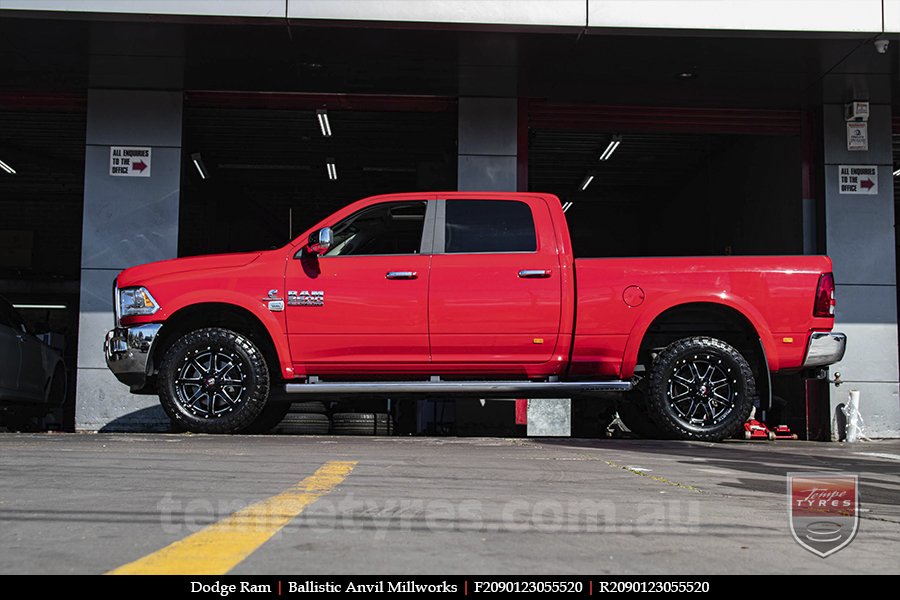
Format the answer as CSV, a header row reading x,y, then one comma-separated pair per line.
x,y
823,510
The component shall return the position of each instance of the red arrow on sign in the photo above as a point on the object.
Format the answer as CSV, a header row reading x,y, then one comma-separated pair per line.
x,y
140,165
867,184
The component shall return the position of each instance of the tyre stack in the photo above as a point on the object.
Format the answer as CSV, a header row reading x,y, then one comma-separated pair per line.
x,y
362,423
305,418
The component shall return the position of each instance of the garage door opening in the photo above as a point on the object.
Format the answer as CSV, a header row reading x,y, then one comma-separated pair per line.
x,y
42,148
261,168
671,194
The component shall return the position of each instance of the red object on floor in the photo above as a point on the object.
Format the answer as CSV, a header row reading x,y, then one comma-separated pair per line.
x,y
754,430
521,411
783,432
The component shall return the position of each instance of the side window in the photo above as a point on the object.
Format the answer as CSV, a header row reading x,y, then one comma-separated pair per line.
x,y
389,228
489,226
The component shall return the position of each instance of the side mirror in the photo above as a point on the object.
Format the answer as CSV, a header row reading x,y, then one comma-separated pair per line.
x,y
320,241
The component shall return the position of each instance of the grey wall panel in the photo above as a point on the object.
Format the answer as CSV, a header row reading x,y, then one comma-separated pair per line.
x,y
487,173
130,220
502,12
112,407
860,231
232,8
96,316
129,118
488,126
872,351
879,406
835,134
861,241
868,315
127,221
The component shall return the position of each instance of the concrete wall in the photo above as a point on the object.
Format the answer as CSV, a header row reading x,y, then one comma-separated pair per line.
x,y
758,15
860,239
127,220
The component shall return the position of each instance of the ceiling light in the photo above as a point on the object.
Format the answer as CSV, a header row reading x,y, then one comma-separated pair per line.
x,y
198,162
332,169
324,124
587,181
611,147
897,173
41,306
7,168
567,206
686,75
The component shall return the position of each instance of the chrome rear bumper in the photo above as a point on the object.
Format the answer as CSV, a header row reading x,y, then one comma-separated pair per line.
x,y
825,348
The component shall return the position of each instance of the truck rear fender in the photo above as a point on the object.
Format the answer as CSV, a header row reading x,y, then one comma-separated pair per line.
x,y
723,304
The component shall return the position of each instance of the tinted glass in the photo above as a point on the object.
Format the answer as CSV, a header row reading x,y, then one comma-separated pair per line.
x,y
489,226
390,228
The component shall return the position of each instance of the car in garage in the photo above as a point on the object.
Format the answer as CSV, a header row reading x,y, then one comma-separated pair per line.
x,y
32,374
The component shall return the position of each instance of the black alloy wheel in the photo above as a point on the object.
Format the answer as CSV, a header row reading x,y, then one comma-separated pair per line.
x,y
701,388
213,381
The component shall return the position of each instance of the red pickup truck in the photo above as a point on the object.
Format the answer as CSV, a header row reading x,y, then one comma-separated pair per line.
x,y
466,294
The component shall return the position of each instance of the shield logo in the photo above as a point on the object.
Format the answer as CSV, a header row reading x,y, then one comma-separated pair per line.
x,y
823,510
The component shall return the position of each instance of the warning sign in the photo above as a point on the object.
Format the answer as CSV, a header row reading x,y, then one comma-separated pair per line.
x,y
129,161
858,179
858,136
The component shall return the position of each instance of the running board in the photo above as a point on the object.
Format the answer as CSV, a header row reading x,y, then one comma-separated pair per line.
x,y
480,389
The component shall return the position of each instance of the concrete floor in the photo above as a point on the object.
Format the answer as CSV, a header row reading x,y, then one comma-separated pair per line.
x,y
78,503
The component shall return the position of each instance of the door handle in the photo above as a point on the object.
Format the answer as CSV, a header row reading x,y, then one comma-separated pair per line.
x,y
535,273
402,275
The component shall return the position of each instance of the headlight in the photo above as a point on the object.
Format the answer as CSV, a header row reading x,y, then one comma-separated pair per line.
x,y
136,301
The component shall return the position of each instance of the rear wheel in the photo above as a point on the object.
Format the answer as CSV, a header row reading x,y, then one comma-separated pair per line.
x,y
213,380
700,388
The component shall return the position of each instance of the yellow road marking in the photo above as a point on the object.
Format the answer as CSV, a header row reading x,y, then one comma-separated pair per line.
x,y
218,548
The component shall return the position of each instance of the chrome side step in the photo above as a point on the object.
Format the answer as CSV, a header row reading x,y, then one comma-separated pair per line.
x,y
481,389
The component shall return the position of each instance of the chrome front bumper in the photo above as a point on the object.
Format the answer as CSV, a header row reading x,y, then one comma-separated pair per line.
x,y
127,351
825,348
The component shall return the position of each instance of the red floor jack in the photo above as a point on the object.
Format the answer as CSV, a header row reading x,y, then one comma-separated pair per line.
x,y
754,430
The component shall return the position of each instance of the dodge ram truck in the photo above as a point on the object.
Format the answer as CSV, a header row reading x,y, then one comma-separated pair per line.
x,y
475,295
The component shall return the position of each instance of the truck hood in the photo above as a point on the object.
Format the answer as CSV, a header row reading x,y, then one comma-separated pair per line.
x,y
141,274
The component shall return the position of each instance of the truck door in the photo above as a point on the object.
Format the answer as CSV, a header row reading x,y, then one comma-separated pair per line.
x,y
365,300
495,282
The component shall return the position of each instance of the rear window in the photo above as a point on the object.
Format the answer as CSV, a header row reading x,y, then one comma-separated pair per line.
x,y
489,226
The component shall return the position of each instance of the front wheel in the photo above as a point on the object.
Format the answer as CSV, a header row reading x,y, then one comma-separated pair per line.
x,y
701,389
213,380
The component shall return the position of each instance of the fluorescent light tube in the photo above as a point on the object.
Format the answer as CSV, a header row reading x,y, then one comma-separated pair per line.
x,y
41,306
324,124
613,144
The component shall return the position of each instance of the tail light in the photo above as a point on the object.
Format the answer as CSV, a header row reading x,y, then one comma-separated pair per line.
x,y
824,306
